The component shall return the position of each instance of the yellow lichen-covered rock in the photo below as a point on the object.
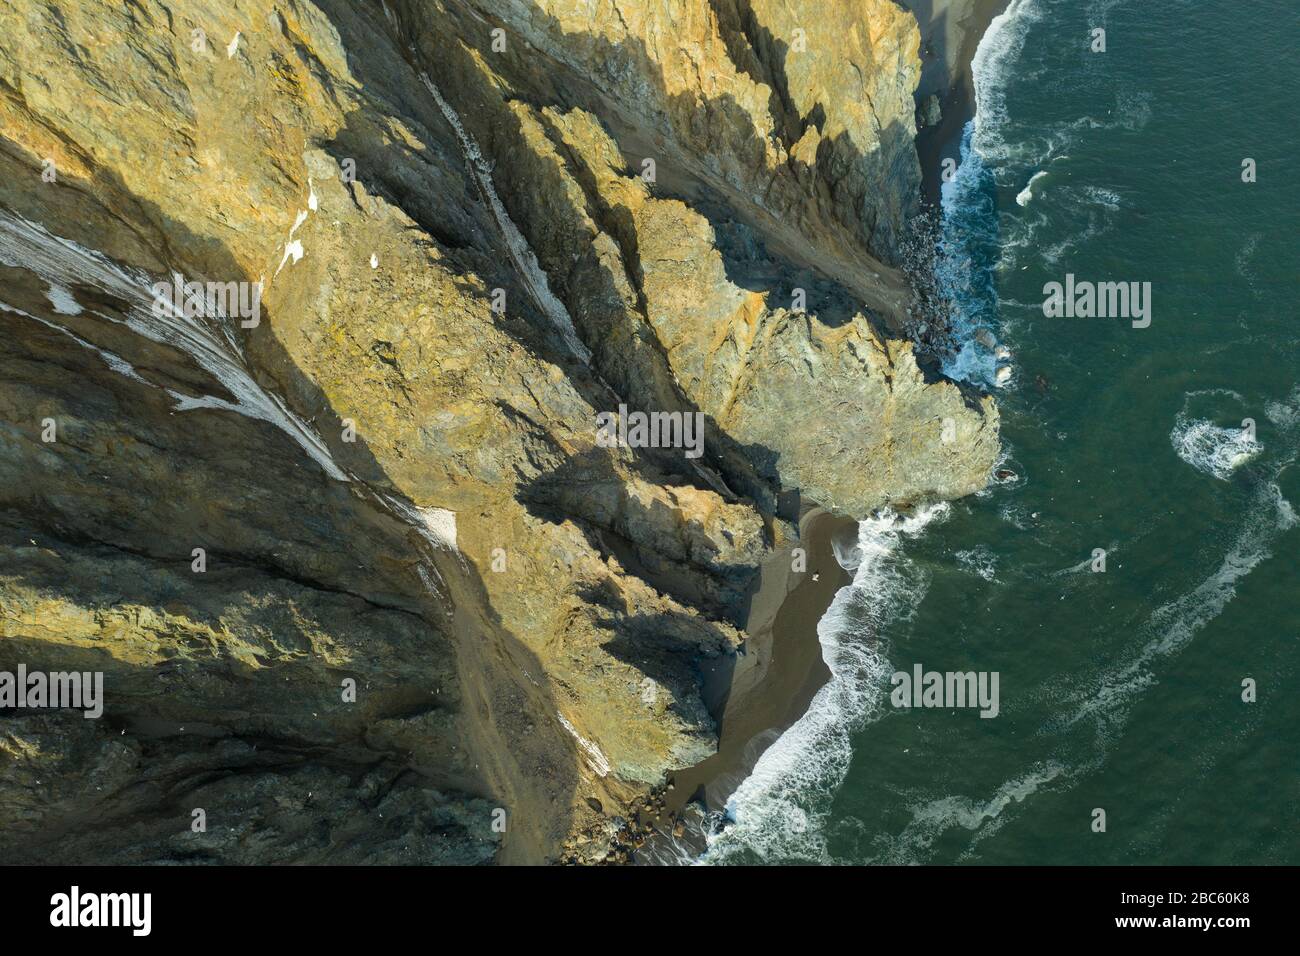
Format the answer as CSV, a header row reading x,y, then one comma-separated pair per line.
x,y
359,576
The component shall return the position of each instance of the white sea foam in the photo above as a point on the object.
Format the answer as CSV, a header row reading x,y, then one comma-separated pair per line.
x,y
664,849
1099,11
932,817
1105,702
1285,414
779,811
1025,195
995,58
1210,448
1098,224
1135,110
1101,196
1243,262
1172,625
969,215
979,560
1086,565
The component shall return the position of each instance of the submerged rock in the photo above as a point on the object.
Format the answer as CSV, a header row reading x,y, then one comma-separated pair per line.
x,y
931,113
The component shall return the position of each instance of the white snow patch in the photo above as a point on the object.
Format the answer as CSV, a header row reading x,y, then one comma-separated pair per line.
x,y
62,300
292,250
205,339
441,525
436,525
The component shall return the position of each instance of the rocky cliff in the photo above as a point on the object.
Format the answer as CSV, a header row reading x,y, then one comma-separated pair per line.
x,y
363,583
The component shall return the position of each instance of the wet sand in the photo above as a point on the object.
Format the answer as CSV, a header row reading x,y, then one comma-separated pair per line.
x,y
950,33
781,667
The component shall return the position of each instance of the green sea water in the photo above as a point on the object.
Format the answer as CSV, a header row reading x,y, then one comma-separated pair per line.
x,y
1120,690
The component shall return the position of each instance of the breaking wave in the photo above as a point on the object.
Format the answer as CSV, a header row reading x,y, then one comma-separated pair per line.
x,y
1210,448
969,244
1025,195
779,812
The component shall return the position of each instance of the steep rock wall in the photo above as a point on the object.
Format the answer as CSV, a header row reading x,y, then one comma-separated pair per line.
x,y
394,480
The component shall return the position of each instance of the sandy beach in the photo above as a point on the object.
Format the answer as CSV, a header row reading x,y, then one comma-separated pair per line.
x,y
950,34
781,669
773,680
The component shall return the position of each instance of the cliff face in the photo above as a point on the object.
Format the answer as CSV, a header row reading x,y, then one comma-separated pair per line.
x,y
393,473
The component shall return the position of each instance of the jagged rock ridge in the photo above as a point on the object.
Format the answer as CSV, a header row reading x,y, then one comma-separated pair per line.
x,y
394,480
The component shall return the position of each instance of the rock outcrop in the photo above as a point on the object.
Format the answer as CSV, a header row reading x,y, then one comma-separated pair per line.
x,y
363,583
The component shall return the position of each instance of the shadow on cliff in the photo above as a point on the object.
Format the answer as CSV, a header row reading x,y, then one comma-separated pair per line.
x,y
653,541
392,581
373,560
656,644
803,187
761,252
629,359
642,538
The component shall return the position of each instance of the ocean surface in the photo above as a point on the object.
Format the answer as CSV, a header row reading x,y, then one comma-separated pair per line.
x,y
1119,690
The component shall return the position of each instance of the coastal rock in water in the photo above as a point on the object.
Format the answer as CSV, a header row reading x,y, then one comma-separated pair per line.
x,y
426,591
931,111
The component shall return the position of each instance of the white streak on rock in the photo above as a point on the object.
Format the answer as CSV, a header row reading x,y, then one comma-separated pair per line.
x,y
210,343
596,760
205,339
526,265
111,359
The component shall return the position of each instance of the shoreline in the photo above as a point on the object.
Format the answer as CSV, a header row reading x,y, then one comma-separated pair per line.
x,y
776,677
951,31
781,670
